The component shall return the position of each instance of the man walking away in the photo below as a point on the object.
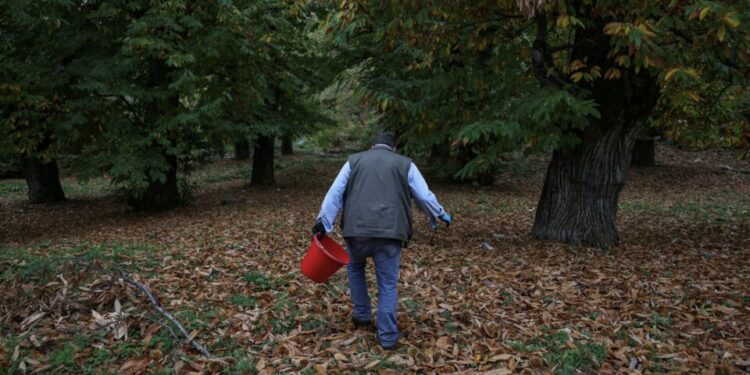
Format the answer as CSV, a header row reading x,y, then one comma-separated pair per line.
x,y
375,188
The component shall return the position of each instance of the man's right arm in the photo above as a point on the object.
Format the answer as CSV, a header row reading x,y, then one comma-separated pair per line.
x,y
334,200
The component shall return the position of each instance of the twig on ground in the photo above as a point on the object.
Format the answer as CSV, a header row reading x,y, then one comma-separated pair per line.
x,y
151,298
164,325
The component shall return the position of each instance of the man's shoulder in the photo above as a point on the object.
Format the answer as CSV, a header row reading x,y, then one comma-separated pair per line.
x,y
391,154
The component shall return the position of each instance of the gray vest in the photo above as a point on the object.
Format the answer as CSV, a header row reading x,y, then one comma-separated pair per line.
x,y
377,201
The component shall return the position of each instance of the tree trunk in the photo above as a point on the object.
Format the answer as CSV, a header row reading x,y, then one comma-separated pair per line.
x,y
242,150
579,200
644,152
581,191
43,180
286,145
263,162
160,195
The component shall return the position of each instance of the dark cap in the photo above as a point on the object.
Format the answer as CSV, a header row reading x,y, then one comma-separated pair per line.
x,y
385,138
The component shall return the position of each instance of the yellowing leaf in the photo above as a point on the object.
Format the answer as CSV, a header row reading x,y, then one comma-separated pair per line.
x,y
670,73
704,12
612,73
623,60
577,64
730,21
372,364
692,72
577,76
499,357
722,33
612,28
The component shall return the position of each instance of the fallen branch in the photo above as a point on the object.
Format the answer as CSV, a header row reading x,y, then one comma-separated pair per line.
x,y
164,325
143,288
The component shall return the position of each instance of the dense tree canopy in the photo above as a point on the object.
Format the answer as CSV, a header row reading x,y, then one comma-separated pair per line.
x,y
139,89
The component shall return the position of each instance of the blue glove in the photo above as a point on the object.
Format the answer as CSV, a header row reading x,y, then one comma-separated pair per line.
x,y
446,218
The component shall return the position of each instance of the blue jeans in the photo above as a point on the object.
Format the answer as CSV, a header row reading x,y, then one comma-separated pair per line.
x,y
386,254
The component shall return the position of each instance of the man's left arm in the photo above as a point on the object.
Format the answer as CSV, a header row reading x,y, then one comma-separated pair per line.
x,y
425,199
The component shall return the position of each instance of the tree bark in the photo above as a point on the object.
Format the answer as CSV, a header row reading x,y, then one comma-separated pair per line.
x,y
242,150
287,148
644,152
263,162
160,195
43,180
581,191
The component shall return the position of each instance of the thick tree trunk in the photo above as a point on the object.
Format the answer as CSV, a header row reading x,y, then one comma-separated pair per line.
x,y
286,145
263,162
43,180
160,195
581,191
242,150
644,152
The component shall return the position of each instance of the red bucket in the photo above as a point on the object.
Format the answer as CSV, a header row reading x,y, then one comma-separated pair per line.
x,y
324,257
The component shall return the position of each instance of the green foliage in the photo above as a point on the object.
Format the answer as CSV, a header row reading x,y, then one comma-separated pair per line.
x,y
10,166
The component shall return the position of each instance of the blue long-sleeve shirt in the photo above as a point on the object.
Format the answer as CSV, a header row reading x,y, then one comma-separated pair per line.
x,y
420,192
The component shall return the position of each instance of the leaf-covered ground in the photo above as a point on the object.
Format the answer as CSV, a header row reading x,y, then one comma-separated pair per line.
x,y
480,296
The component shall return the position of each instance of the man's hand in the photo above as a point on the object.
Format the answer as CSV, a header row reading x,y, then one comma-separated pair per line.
x,y
448,219
319,229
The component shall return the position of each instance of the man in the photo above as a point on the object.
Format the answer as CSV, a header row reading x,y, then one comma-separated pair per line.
x,y
374,188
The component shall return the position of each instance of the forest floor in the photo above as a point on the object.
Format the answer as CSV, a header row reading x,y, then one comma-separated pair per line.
x,y
480,296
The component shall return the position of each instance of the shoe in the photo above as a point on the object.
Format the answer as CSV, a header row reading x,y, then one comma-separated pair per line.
x,y
395,344
361,323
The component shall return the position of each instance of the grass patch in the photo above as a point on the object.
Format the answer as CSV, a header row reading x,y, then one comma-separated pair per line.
x,y
314,324
243,301
731,208
245,365
261,281
193,320
64,357
285,314
507,298
12,188
660,321
37,262
17,189
582,357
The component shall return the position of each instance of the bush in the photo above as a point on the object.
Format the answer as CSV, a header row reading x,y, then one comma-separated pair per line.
x,y
10,166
